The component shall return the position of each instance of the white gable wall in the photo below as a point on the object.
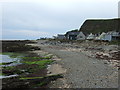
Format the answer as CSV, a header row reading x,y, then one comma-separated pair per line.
x,y
81,36
107,37
91,36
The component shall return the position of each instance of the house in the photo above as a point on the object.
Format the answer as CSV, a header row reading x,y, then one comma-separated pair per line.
x,y
72,35
101,36
81,36
109,36
91,36
54,37
60,36
112,35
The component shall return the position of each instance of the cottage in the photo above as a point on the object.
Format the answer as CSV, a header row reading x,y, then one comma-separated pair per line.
x,y
100,37
109,36
91,36
72,35
60,36
81,36
112,35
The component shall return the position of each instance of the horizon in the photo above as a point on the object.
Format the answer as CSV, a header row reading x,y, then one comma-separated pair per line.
x,y
34,20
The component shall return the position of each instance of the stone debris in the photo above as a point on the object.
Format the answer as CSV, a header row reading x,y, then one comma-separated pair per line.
x,y
99,50
83,69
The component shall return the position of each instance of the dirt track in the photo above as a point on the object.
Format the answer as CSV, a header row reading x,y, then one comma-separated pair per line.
x,y
82,71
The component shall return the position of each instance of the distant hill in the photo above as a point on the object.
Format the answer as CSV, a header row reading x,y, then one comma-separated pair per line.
x,y
100,25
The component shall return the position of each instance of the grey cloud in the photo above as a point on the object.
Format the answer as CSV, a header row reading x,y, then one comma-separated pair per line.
x,y
53,18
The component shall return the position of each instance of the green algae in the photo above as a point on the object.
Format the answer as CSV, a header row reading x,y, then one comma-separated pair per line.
x,y
41,63
27,78
13,55
35,58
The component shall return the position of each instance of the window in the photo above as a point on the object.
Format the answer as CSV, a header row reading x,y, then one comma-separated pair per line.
x,y
81,37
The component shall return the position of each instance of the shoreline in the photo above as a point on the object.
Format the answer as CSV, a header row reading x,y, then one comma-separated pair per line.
x,y
62,54
21,69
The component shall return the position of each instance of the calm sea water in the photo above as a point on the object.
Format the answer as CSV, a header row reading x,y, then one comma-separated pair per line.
x,y
6,59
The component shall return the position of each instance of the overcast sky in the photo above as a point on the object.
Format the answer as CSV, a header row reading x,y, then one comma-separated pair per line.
x,y
32,19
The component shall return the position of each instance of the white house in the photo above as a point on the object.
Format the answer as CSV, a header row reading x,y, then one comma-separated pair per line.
x,y
101,37
81,36
112,35
91,36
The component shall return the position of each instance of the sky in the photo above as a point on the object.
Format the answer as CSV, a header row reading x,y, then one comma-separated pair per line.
x,y
33,19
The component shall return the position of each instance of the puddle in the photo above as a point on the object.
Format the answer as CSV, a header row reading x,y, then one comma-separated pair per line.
x,y
5,61
8,76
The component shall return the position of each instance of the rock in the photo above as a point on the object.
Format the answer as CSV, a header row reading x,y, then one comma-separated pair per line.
x,y
49,72
105,62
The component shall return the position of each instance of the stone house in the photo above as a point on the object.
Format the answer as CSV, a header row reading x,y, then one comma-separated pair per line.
x,y
72,35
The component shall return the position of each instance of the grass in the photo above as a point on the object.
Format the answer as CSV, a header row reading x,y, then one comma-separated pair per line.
x,y
1,74
41,81
8,67
41,63
35,58
13,55
42,84
6,63
27,78
32,66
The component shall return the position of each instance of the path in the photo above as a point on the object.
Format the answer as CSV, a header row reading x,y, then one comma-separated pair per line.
x,y
82,71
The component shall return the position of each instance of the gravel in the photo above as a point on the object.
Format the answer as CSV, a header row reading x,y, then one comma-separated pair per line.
x,y
83,71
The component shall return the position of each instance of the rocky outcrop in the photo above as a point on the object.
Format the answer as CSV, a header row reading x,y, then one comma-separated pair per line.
x,y
100,25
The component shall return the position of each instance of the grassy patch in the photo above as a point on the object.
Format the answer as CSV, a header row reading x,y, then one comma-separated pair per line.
x,y
1,74
40,81
9,70
36,82
42,84
35,58
13,55
26,78
41,63
6,63
9,67
31,70
21,69
57,75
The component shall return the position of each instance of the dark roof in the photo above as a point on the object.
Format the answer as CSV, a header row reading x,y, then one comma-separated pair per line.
x,y
61,35
72,33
